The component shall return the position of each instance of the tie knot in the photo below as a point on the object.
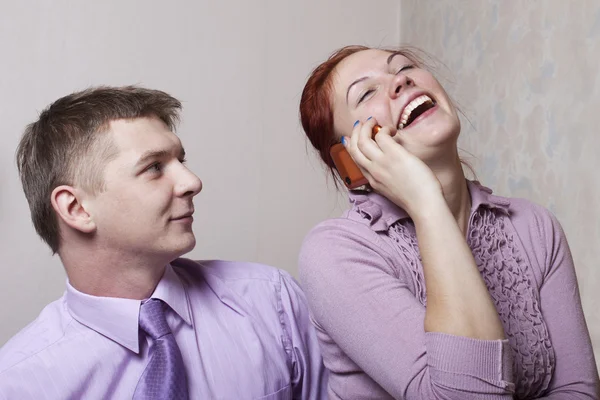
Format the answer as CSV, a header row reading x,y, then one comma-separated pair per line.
x,y
152,319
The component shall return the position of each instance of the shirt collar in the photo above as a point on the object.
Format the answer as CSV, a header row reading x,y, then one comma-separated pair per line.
x,y
382,213
171,290
483,196
118,318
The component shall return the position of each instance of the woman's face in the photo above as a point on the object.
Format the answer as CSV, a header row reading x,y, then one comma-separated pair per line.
x,y
398,94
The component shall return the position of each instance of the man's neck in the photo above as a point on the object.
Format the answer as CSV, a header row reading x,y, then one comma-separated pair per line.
x,y
110,274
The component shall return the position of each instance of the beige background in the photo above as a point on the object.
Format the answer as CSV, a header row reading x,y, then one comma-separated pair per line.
x,y
239,67
526,74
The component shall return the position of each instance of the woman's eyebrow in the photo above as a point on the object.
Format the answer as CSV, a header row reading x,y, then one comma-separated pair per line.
x,y
391,57
354,83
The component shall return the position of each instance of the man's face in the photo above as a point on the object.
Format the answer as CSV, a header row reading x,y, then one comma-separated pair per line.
x,y
146,206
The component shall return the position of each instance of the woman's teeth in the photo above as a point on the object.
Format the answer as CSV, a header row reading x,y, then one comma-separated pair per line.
x,y
407,114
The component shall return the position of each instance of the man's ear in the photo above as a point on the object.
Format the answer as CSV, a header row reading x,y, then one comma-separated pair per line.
x,y
66,201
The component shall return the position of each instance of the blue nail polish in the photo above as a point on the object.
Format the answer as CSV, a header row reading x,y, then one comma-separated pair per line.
x,y
343,140
356,123
369,118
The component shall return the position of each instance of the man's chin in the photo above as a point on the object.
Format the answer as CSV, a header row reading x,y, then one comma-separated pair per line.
x,y
184,248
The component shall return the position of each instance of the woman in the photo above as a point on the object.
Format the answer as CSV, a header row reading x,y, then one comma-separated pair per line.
x,y
430,287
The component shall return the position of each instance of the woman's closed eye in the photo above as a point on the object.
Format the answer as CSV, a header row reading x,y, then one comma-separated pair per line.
x,y
404,68
368,92
364,95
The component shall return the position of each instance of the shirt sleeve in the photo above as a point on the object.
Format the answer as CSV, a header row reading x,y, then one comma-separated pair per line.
x,y
309,376
575,374
369,311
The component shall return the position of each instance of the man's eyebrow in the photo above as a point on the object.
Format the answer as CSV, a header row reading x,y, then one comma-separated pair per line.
x,y
352,84
154,154
150,155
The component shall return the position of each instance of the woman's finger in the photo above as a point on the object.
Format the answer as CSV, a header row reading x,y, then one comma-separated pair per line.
x,y
349,143
387,144
365,141
358,157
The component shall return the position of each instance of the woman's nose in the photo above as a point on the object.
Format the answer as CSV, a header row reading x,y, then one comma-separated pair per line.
x,y
399,83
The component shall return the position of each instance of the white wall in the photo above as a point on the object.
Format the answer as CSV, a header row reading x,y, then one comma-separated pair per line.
x,y
238,66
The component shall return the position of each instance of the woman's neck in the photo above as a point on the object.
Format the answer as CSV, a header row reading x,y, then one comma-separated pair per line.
x,y
456,191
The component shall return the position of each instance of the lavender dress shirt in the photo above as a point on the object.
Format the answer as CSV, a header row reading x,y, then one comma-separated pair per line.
x,y
243,330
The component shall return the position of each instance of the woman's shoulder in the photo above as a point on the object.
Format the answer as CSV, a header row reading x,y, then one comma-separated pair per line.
x,y
527,215
538,229
343,242
366,222
523,213
346,230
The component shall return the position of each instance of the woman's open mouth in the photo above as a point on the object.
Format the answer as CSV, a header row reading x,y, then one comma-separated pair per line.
x,y
415,109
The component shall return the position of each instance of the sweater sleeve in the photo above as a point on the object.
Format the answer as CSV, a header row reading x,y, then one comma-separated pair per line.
x,y
575,374
369,311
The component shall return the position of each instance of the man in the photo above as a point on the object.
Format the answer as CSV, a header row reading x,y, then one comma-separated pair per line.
x,y
109,192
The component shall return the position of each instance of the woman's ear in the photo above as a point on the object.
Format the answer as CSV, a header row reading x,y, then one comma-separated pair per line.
x,y
67,203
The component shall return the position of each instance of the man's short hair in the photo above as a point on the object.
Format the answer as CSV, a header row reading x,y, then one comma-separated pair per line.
x,y
65,146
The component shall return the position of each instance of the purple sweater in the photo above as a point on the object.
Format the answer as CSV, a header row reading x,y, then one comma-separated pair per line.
x,y
363,277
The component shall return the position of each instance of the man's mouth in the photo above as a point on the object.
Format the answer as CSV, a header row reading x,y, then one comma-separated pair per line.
x,y
414,109
184,216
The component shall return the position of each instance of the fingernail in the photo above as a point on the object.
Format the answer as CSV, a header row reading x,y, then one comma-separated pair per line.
x,y
356,123
344,140
369,118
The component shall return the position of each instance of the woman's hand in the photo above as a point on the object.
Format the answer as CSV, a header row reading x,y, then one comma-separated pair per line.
x,y
391,170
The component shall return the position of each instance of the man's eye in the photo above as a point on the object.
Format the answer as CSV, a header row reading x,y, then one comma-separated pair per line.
x,y
364,95
156,167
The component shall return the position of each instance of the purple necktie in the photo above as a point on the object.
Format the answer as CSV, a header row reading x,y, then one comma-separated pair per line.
x,y
164,376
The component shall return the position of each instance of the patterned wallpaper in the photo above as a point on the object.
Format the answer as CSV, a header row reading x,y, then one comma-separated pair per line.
x,y
527,76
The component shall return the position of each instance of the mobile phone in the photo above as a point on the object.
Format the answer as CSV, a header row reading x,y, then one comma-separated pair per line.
x,y
346,167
